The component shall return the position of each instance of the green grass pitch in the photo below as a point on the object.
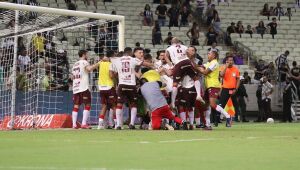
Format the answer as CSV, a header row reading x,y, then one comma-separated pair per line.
x,y
242,147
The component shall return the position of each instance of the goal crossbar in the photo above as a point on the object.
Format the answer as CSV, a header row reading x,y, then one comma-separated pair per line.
x,y
64,12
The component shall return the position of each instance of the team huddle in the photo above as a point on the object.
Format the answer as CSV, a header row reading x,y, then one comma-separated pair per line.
x,y
176,91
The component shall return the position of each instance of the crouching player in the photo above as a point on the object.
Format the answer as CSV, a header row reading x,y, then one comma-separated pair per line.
x,y
158,104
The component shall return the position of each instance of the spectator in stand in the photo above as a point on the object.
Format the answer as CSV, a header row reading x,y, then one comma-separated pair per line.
x,y
295,74
46,81
173,14
194,31
261,29
282,65
259,72
156,34
288,12
100,42
161,12
214,48
199,10
249,30
217,22
211,36
247,78
278,10
287,101
38,43
185,15
230,30
270,73
23,61
238,58
239,28
20,80
271,11
273,27
33,15
168,39
21,45
148,16
11,24
283,70
265,11
209,12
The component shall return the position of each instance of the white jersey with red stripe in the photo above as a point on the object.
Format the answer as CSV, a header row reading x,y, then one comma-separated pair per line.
x,y
125,66
177,53
80,76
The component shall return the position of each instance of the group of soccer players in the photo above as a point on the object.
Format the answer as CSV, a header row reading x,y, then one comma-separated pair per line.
x,y
176,89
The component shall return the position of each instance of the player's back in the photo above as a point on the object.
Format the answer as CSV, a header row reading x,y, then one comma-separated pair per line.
x,y
153,95
177,53
80,76
125,66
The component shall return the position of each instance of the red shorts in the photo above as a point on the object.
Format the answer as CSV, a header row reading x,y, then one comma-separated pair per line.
x,y
201,107
183,68
108,97
187,97
211,93
127,93
163,112
82,98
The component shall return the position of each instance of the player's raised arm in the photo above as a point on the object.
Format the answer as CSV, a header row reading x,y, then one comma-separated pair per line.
x,y
90,68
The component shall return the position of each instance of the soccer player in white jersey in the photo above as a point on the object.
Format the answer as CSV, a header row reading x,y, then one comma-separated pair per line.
x,y
81,93
177,54
125,68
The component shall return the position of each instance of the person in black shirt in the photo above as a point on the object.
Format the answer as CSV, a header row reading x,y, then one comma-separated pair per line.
x,y
247,78
241,94
185,13
260,29
259,102
161,12
273,27
173,14
260,68
230,30
295,74
287,101
249,30
211,36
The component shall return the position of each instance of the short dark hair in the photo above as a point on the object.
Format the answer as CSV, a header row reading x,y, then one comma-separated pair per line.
x,y
137,48
147,56
194,48
137,44
127,50
110,53
229,56
159,52
294,63
274,18
147,50
82,52
287,52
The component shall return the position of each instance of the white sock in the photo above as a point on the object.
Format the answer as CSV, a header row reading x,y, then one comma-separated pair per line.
x,y
174,94
197,121
207,116
119,116
183,116
74,118
191,117
197,87
85,117
133,114
221,110
101,122
110,117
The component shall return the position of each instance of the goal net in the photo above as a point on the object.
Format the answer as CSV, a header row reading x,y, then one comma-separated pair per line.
x,y
38,47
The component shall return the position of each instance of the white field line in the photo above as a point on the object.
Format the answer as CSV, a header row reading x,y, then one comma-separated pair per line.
x,y
185,140
49,168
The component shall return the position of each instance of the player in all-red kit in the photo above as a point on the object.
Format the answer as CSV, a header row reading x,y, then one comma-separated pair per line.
x,y
177,54
81,93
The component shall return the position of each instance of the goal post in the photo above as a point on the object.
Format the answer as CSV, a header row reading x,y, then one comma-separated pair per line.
x,y
27,67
